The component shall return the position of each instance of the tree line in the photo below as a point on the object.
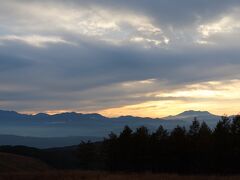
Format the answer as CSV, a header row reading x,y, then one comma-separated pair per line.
x,y
197,149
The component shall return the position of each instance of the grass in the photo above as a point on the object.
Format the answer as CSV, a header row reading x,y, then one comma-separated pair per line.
x,y
78,175
15,167
16,163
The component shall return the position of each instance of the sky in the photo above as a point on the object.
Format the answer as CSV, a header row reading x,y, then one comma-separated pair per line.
x,y
139,57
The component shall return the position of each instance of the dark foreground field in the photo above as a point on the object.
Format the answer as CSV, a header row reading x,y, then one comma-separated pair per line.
x,y
16,167
78,175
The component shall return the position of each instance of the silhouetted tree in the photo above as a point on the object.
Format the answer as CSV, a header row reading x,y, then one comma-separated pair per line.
x,y
159,149
194,128
142,148
160,134
126,133
235,127
204,131
179,133
223,127
204,137
235,149
198,149
222,133
222,143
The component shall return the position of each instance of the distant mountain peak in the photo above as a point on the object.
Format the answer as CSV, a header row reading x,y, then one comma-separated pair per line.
x,y
68,113
9,112
94,115
126,116
41,114
192,112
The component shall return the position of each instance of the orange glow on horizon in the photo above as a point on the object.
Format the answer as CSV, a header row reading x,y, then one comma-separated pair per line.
x,y
220,98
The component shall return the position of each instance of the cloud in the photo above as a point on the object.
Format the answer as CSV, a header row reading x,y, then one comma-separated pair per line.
x,y
35,40
224,29
100,55
210,96
101,23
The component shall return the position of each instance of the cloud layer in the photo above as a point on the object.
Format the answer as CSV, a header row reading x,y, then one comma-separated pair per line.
x,y
101,56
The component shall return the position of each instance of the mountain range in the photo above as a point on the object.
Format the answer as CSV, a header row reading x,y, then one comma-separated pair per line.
x,y
73,127
12,117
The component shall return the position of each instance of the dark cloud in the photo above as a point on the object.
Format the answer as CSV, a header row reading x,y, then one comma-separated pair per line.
x,y
168,12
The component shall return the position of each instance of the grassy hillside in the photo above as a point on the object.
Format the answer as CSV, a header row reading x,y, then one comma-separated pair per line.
x,y
77,175
59,158
16,163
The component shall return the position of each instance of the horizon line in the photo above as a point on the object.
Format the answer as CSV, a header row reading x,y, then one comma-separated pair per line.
x,y
85,113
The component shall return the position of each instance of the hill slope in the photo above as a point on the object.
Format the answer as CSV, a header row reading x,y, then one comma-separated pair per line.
x,y
16,163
